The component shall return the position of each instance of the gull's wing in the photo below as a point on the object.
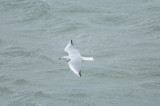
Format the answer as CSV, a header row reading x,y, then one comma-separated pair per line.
x,y
75,65
71,49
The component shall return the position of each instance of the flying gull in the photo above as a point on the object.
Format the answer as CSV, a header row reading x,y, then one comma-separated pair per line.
x,y
74,59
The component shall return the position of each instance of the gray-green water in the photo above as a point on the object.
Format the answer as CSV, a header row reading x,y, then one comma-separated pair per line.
x,y
123,36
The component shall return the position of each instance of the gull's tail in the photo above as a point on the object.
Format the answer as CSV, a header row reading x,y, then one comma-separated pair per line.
x,y
87,58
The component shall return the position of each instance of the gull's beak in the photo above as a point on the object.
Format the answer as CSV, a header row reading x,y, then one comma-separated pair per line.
x,y
59,59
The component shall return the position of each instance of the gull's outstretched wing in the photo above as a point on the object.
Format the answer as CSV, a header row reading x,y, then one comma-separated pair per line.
x,y
75,65
71,49
76,59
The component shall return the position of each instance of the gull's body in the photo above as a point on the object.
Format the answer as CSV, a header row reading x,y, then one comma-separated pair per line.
x,y
74,59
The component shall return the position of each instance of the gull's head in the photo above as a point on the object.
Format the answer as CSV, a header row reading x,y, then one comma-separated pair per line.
x,y
61,58
66,58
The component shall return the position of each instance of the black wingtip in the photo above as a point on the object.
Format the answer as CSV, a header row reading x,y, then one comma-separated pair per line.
x,y
71,42
80,73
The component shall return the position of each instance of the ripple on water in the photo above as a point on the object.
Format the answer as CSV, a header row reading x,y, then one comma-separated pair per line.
x,y
23,10
151,85
21,82
6,90
21,103
41,94
27,98
17,51
78,95
3,78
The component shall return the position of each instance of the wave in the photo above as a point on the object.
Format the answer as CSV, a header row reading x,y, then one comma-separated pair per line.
x,y
21,82
22,10
6,91
17,51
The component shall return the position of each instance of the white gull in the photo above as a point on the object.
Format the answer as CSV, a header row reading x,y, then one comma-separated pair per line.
x,y
74,59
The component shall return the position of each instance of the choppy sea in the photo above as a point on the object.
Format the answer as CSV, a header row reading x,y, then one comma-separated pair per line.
x,y
123,36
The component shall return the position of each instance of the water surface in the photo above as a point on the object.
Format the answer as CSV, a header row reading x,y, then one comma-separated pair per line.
x,y
123,36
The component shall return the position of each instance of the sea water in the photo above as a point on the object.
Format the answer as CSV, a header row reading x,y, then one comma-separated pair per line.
x,y
123,36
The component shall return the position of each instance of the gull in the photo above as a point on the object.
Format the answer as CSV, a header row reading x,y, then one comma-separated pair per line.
x,y
74,59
